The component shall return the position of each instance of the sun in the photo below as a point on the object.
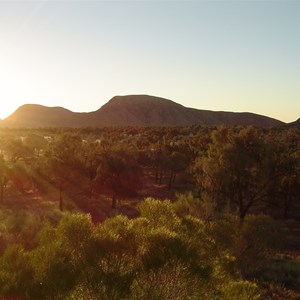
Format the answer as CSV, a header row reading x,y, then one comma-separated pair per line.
x,y
9,101
12,87
6,110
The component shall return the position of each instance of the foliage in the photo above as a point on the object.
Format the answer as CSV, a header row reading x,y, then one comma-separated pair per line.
x,y
118,175
215,241
242,290
238,171
160,255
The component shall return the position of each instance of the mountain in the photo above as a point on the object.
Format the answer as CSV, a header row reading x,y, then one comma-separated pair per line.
x,y
131,110
33,115
295,124
150,110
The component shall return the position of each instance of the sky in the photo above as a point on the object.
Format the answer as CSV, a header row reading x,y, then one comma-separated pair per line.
x,y
216,55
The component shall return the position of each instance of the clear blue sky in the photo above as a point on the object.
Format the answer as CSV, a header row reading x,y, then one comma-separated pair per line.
x,y
217,55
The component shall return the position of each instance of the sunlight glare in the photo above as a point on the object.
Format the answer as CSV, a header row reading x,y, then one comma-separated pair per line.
x,y
8,97
14,83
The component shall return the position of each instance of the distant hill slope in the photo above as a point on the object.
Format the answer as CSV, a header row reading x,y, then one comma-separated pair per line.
x,y
33,115
149,110
131,110
295,124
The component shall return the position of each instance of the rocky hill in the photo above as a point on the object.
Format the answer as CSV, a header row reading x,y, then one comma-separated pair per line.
x,y
33,115
295,124
131,110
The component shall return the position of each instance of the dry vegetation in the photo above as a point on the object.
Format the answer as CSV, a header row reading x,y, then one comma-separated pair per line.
x,y
74,223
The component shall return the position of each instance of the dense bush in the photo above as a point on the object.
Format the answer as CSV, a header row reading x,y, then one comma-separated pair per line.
x,y
162,254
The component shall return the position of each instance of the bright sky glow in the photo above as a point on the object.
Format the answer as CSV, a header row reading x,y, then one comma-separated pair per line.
x,y
217,55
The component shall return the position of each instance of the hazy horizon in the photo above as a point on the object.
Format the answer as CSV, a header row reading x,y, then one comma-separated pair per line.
x,y
240,56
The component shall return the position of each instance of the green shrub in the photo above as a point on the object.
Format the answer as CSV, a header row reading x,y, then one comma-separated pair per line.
x,y
240,290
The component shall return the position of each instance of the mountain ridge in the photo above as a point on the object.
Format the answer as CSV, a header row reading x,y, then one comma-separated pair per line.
x,y
131,110
295,124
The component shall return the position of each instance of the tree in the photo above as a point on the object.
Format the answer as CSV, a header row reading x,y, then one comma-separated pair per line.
x,y
118,175
58,259
91,158
176,162
63,161
238,170
286,187
35,142
3,177
15,272
16,150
